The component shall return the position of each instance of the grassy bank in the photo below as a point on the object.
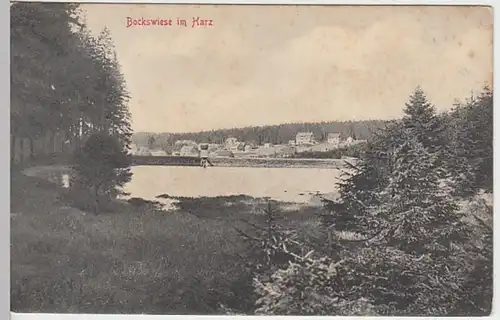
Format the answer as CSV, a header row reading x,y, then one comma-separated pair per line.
x,y
136,259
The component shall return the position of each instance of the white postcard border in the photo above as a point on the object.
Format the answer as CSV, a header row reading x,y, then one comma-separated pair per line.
x,y
5,159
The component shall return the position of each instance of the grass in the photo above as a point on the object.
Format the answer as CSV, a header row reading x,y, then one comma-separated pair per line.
x,y
139,259
134,260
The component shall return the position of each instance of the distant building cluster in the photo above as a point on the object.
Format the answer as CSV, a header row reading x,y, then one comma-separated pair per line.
x,y
231,147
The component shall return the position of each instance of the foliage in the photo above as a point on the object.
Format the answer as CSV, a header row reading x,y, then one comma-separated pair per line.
x,y
470,138
417,210
307,287
38,33
360,184
63,78
421,119
265,243
416,254
103,165
477,294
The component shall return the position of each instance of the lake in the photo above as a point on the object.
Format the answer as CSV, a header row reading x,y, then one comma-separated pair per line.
x,y
297,185
282,184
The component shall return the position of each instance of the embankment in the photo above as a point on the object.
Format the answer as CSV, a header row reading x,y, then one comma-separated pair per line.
x,y
239,162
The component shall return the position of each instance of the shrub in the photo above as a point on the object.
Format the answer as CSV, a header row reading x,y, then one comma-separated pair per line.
x,y
309,286
101,168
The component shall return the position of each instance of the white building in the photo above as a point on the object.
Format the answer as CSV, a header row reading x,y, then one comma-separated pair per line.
x,y
334,138
231,143
305,138
349,141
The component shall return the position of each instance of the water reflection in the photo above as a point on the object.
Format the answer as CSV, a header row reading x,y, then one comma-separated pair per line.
x,y
297,185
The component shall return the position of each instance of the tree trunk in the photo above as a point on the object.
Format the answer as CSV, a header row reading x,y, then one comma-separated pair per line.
x,y
12,147
32,148
96,195
21,148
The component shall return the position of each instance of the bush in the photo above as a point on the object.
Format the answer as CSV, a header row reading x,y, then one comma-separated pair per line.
x,y
308,287
101,168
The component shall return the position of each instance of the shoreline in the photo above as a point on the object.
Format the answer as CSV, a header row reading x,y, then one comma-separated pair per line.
x,y
241,162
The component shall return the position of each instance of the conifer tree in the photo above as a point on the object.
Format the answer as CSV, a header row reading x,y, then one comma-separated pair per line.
x,y
102,166
420,117
470,135
359,185
64,79
481,139
418,211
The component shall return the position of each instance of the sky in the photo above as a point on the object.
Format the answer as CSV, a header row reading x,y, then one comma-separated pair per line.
x,y
261,65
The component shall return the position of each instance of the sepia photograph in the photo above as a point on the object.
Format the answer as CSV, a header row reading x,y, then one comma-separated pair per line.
x,y
316,160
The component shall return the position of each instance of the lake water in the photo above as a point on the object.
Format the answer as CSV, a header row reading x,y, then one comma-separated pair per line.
x,y
282,184
298,185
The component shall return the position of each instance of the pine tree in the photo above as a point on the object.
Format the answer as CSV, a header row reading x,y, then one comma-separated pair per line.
x,y
359,185
63,79
420,117
418,211
481,137
459,153
470,151
357,189
42,44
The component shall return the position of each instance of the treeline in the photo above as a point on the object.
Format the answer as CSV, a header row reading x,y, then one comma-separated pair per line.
x,y
64,80
399,241
276,134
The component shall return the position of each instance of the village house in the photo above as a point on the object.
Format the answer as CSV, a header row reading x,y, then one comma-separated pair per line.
x,y
285,151
231,143
349,141
334,138
291,142
142,151
189,151
264,152
305,138
182,143
324,147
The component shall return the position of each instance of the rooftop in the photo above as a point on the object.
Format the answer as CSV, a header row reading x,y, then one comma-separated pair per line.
x,y
304,134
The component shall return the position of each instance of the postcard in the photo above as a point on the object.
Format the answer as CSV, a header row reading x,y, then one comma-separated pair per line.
x,y
251,159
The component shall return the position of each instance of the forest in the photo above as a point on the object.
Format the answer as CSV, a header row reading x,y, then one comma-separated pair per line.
x,y
74,89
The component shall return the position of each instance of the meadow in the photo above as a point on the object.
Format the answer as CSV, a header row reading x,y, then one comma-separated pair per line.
x,y
132,259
